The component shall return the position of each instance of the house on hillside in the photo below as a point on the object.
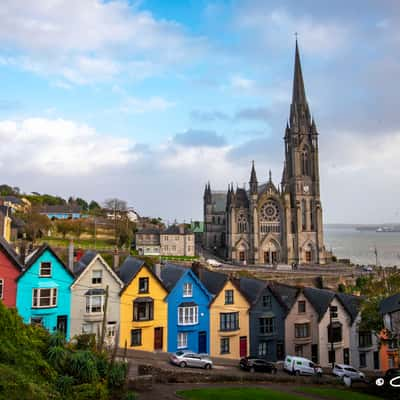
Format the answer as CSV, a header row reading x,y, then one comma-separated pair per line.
x,y
148,242
177,240
143,308
10,269
188,312
93,278
43,291
229,315
20,204
5,222
65,211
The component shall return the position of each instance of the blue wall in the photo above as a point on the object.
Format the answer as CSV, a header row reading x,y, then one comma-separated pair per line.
x,y
60,279
202,298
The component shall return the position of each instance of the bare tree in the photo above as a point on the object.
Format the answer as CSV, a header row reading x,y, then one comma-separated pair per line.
x,y
118,208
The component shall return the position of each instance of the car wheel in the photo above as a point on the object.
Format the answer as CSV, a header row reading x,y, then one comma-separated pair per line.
x,y
182,364
252,369
207,366
297,373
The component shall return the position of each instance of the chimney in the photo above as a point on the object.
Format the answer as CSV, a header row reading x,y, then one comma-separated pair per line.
x,y
197,269
116,259
71,256
182,229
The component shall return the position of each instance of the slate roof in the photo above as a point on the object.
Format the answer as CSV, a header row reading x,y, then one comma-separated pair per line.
x,y
241,199
286,293
213,281
218,198
149,231
11,199
62,209
85,260
170,274
175,230
319,299
129,268
390,304
9,251
252,288
351,303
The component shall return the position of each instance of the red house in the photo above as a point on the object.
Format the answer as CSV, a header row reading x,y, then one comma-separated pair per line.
x,y
10,269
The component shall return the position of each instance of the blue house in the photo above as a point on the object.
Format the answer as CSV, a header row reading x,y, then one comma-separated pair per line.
x,y
43,291
188,313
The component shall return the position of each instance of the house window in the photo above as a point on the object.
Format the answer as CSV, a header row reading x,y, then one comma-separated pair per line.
x,y
86,328
188,315
267,325
228,296
94,303
301,330
242,256
187,290
37,321
136,337
143,285
224,346
182,340
96,277
267,302
301,307
335,332
45,269
1,288
364,339
229,321
142,311
263,349
44,298
363,360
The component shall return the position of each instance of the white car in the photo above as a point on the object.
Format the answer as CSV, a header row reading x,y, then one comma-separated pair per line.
x,y
213,263
342,370
301,366
189,359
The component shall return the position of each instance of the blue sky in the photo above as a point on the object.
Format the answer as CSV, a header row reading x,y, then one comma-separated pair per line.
x,y
147,100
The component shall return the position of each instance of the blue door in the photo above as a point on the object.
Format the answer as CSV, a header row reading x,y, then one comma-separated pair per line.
x,y
202,342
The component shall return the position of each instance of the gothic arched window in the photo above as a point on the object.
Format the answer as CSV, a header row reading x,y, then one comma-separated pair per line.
x,y
270,217
312,210
305,163
304,214
242,222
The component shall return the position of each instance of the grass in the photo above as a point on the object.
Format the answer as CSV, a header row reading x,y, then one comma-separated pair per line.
x,y
239,393
340,394
83,243
180,258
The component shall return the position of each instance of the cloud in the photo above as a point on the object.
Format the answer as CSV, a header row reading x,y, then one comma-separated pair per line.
x,y
209,115
254,113
241,83
199,138
57,147
85,41
135,105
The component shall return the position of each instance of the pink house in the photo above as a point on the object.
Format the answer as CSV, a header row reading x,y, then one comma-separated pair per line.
x,y
10,269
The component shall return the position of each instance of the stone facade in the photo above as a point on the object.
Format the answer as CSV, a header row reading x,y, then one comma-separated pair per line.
x,y
267,224
177,241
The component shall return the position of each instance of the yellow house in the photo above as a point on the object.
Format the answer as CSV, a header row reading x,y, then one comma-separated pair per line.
x,y
143,317
229,316
5,223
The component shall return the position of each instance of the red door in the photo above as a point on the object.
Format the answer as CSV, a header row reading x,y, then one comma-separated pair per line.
x,y
158,338
243,346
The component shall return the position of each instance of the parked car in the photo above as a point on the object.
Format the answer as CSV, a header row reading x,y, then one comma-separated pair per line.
x,y
213,263
189,359
301,366
342,370
253,364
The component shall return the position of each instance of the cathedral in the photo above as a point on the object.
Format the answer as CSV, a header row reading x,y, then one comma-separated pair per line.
x,y
266,224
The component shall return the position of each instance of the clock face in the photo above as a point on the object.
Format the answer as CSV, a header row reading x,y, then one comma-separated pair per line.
x,y
269,211
306,188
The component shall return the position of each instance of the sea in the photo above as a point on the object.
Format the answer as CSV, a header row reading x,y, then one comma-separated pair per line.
x,y
346,242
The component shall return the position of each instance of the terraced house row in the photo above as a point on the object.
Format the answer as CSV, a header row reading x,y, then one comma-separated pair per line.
x,y
170,307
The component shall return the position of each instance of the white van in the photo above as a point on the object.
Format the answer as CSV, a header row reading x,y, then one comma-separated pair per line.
x,y
301,366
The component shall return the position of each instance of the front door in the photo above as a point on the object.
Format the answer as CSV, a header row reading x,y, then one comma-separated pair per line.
x,y
280,351
266,257
243,346
202,342
158,338
346,356
274,257
62,324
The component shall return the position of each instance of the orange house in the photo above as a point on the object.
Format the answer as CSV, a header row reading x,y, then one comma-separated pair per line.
x,y
388,351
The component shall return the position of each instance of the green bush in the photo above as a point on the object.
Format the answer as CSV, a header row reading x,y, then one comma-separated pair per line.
x,y
117,375
88,391
82,366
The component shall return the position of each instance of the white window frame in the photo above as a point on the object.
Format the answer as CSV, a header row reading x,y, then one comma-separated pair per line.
x,y
100,272
89,303
187,290
188,315
182,340
1,288
40,269
36,297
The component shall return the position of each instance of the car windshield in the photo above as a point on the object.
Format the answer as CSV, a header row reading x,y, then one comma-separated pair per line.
x,y
338,367
350,369
180,353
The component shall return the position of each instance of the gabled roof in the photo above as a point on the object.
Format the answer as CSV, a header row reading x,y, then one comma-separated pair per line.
x,y
252,288
286,293
351,303
175,230
10,253
390,304
213,281
86,261
36,254
61,209
131,267
171,274
319,299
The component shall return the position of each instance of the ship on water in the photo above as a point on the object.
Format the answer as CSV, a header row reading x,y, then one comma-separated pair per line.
x,y
379,228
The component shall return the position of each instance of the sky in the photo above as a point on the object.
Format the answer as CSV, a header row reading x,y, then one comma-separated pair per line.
x,y
148,100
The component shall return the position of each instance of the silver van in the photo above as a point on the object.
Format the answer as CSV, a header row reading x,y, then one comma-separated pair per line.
x,y
301,366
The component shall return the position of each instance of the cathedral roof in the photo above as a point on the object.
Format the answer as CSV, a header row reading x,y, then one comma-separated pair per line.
x,y
219,201
299,93
241,199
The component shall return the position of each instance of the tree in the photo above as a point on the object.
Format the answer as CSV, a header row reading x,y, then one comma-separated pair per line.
x,y
36,224
83,203
93,205
63,227
118,209
77,227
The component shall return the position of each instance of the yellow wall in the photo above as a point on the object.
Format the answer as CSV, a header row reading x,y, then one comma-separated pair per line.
x,y
158,293
218,306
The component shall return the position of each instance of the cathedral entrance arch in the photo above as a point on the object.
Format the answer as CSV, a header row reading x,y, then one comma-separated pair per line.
x,y
271,252
242,252
309,256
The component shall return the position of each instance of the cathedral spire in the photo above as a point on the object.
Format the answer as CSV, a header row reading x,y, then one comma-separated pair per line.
x,y
253,183
299,93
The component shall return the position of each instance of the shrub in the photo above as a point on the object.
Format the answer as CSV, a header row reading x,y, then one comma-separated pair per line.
x,y
117,375
91,391
64,385
57,357
86,341
82,366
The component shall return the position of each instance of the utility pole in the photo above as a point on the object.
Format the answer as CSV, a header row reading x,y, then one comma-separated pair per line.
x,y
332,314
103,324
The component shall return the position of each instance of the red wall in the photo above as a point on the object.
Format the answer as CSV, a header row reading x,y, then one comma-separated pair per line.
x,y
9,273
